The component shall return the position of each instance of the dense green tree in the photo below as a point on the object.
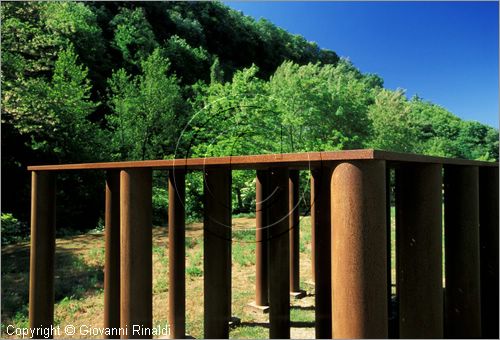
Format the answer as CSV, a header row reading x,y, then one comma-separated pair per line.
x,y
392,128
321,107
147,110
133,35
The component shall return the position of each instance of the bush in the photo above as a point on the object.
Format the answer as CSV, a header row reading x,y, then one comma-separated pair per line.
x,y
13,230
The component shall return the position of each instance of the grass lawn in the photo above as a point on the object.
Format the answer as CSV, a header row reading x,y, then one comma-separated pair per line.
x,y
79,282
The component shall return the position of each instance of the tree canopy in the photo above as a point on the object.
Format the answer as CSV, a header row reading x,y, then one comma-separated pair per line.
x,y
147,80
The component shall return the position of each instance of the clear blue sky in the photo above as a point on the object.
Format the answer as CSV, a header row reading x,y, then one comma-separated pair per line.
x,y
446,52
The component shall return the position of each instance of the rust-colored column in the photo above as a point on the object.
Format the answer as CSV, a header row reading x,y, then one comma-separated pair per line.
x,y
321,227
418,250
359,252
461,223
112,255
313,232
176,254
261,235
294,227
43,221
217,253
136,250
488,229
279,253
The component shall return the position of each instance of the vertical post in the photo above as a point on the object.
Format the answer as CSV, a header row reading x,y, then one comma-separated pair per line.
x,y
136,250
488,228
217,253
261,236
359,279
43,219
321,227
176,254
313,232
418,248
112,255
279,265
461,224
294,227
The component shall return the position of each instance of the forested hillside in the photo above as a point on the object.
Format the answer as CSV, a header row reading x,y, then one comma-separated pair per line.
x,y
84,82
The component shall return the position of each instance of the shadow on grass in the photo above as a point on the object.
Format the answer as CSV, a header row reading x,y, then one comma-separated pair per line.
x,y
302,307
74,278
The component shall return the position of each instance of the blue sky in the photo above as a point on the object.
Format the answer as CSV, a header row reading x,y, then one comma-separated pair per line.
x,y
446,52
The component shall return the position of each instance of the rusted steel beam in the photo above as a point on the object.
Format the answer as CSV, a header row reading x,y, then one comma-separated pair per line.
x,y
176,254
112,252
261,236
279,253
217,253
321,227
488,229
302,160
462,272
136,250
359,279
419,250
43,221
294,227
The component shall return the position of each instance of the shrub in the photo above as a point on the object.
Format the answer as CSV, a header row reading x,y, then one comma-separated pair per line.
x,y
13,230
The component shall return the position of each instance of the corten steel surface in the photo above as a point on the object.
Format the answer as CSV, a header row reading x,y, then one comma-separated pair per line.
x,y
418,250
359,279
461,221
321,227
488,229
43,206
176,254
217,253
294,226
304,161
279,253
112,253
136,250
261,236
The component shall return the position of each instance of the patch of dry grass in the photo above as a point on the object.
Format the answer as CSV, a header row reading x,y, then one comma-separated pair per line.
x,y
79,281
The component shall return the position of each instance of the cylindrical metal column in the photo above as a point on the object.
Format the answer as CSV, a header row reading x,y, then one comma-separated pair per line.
x,y
217,253
294,227
321,227
313,232
359,279
112,255
488,229
279,253
418,250
461,223
136,251
261,235
176,254
43,221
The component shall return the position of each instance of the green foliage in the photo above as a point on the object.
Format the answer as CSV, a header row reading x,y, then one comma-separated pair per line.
x,y
148,80
321,107
13,230
133,37
191,64
391,122
55,113
147,111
